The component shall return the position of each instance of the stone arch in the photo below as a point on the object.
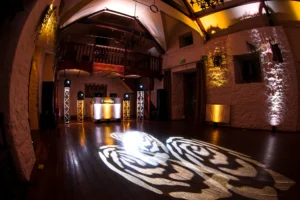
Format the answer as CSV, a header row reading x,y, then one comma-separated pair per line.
x,y
18,38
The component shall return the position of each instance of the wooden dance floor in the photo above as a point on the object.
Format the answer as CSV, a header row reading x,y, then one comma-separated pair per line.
x,y
164,160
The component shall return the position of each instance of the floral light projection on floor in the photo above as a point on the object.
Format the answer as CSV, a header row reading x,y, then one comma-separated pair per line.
x,y
190,169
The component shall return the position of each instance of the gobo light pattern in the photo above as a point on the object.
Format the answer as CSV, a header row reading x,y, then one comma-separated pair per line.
x,y
140,105
275,74
80,109
190,169
67,104
218,76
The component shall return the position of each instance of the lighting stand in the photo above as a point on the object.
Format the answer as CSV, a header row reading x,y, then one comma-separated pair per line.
x,y
140,105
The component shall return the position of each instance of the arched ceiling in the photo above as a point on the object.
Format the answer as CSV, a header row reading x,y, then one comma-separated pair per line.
x,y
206,22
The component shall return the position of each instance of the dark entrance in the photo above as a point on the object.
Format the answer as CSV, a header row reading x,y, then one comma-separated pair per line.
x,y
190,96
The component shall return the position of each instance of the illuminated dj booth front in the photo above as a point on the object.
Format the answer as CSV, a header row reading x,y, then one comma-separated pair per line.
x,y
105,109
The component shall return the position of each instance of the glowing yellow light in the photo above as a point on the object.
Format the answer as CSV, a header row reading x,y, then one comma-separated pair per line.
x,y
217,113
107,111
126,109
215,136
49,25
82,136
107,139
80,111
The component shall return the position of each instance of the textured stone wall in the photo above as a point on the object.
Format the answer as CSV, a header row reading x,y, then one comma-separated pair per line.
x,y
18,38
293,38
114,85
177,96
34,89
157,85
253,105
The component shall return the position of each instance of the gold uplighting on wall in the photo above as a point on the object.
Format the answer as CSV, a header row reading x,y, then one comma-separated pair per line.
x,y
217,113
48,24
217,76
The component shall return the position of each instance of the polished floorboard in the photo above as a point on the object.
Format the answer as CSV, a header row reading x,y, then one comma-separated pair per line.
x,y
175,160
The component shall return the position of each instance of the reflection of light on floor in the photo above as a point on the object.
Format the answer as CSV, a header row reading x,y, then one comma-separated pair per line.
x,y
82,136
107,139
215,136
126,126
98,135
269,150
190,169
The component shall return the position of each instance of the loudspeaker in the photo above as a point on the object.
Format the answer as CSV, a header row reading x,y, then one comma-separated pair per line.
x,y
162,104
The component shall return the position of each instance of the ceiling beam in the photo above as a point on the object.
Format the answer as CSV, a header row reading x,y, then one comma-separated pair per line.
x,y
112,26
202,29
161,49
177,7
228,5
225,6
74,10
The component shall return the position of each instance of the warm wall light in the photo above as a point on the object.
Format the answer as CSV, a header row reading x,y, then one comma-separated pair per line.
x,y
217,71
217,113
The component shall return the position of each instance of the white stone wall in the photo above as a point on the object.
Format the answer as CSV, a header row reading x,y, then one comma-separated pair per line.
x,y
18,38
250,103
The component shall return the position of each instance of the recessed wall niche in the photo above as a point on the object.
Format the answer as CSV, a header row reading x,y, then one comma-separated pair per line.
x,y
247,68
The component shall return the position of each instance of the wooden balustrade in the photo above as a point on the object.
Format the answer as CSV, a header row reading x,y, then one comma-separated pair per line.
x,y
83,53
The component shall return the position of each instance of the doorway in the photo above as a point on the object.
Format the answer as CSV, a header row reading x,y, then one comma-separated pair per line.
x,y
190,95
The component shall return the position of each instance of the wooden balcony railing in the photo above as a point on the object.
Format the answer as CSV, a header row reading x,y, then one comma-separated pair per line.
x,y
83,53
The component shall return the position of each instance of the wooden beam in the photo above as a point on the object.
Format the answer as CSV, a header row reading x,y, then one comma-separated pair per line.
x,y
74,10
113,26
228,5
177,7
225,6
147,31
202,29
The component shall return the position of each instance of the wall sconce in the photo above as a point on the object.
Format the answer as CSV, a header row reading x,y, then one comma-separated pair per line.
x,y
126,107
80,107
67,86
